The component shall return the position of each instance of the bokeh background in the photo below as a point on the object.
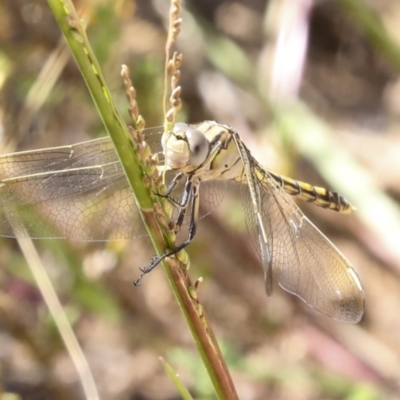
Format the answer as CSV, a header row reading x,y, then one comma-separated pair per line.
x,y
245,63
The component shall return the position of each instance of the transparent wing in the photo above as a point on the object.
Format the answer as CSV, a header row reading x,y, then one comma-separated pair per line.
x,y
304,261
211,195
77,192
85,154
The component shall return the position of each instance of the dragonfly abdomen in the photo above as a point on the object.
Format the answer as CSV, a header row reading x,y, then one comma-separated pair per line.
x,y
314,194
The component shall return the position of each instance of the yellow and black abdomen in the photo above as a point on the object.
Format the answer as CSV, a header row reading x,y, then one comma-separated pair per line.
x,y
313,194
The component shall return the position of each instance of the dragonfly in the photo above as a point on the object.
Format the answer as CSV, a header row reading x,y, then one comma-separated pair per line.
x,y
84,194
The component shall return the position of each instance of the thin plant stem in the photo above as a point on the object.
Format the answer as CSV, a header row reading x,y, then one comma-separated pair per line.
x,y
140,172
60,319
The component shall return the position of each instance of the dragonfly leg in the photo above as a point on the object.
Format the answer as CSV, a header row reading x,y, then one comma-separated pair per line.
x,y
172,185
193,193
184,202
185,197
182,205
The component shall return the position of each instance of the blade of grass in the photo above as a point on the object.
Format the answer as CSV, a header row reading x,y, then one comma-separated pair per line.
x,y
149,205
59,317
374,29
176,381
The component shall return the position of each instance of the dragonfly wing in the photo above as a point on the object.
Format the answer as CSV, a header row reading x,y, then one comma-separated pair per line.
x,y
85,154
77,192
252,203
304,261
81,204
211,195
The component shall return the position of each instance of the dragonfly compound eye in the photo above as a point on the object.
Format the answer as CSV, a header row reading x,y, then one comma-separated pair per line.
x,y
180,127
198,146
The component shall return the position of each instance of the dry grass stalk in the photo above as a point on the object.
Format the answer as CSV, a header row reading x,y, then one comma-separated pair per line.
x,y
172,65
138,120
152,177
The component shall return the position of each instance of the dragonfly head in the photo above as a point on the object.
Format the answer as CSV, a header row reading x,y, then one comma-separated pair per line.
x,y
185,148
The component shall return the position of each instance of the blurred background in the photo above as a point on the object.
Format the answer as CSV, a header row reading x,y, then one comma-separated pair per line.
x,y
313,88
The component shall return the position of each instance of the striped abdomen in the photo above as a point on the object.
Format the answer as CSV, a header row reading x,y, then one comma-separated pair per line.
x,y
313,194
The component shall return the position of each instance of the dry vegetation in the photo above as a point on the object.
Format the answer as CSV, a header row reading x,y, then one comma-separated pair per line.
x,y
277,348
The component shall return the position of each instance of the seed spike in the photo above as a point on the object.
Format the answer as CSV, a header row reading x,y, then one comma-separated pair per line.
x,y
172,65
